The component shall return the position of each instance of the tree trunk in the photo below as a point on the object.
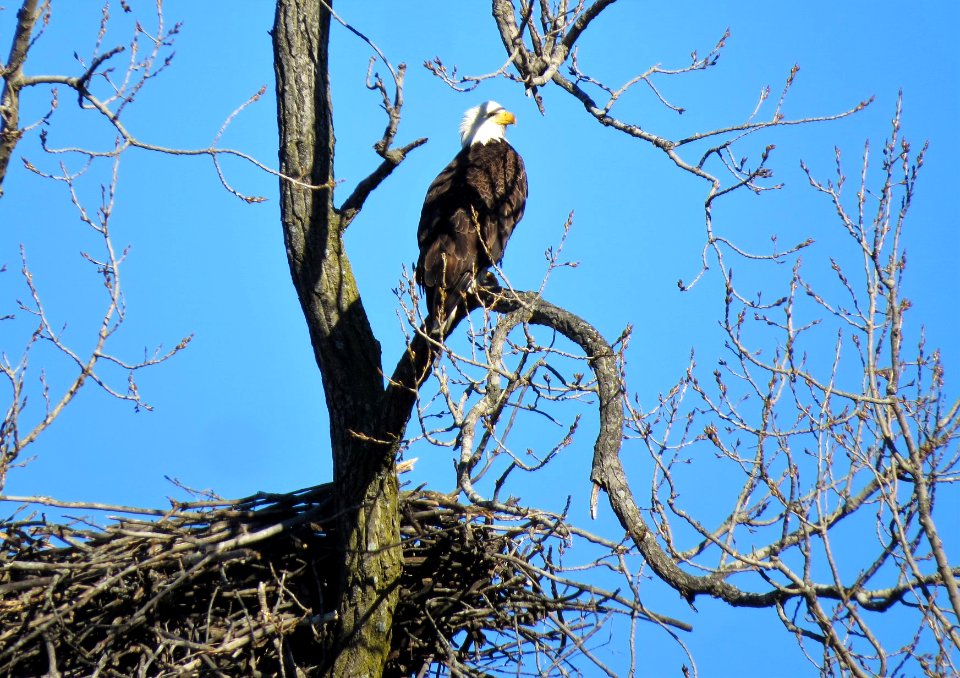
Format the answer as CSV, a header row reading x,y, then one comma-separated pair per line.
x,y
10,131
346,350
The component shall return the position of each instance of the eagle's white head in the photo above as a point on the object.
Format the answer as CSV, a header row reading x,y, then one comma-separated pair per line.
x,y
484,123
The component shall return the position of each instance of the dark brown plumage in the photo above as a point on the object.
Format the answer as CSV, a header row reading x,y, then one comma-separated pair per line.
x,y
469,213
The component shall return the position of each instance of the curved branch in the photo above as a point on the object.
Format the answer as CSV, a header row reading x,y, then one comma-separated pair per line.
x,y
608,472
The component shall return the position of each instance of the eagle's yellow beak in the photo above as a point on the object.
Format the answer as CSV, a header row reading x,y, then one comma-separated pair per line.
x,y
505,118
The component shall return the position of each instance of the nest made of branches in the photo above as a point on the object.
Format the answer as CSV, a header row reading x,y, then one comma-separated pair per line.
x,y
246,588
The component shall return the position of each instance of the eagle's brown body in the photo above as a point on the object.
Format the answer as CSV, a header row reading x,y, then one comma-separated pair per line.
x,y
468,215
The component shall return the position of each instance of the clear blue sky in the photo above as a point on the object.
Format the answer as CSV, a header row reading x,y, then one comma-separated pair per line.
x,y
242,409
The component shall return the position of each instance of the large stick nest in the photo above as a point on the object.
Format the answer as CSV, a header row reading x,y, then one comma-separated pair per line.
x,y
246,588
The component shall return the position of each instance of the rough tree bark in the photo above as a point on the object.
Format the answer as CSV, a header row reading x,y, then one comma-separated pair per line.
x,y
12,73
346,351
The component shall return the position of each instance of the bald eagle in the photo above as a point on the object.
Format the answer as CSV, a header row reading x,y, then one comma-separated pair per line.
x,y
468,215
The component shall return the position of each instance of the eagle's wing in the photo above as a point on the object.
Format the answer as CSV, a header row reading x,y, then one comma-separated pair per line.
x,y
447,236
499,172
